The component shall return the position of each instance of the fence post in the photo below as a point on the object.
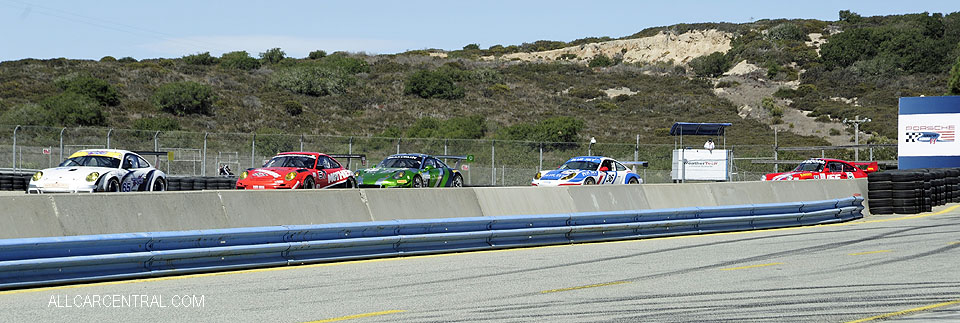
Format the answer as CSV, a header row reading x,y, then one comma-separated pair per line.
x,y
203,163
445,142
398,144
301,142
14,157
540,167
636,154
253,151
61,142
871,153
156,147
350,151
109,132
493,167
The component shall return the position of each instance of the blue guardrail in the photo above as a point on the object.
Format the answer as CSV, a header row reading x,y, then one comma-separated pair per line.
x,y
60,260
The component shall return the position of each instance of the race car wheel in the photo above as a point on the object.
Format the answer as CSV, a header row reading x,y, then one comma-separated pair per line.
x,y
308,183
589,181
417,182
113,185
633,181
457,182
350,183
159,185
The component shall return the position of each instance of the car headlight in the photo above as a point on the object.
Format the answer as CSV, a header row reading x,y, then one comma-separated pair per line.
x,y
244,175
93,177
569,176
398,175
37,176
537,176
290,176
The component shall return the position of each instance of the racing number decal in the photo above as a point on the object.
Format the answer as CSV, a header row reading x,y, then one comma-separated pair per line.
x,y
849,175
611,177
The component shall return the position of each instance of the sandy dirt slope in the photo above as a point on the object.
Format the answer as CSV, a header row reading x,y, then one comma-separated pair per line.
x,y
662,47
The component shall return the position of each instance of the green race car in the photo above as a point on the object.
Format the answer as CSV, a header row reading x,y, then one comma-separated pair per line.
x,y
411,170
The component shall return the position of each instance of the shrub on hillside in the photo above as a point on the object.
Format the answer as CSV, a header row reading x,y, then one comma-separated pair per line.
x,y
953,82
108,59
239,60
28,114
712,65
436,84
786,32
292,107
312,80
201,59
183,98
273,55
601,61
156,124
585,93
346,63
317,54
72,109
554,129
89,86
127,59
606,105
496,89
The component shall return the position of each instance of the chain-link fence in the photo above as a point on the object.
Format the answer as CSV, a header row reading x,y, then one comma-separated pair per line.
x,y
497,162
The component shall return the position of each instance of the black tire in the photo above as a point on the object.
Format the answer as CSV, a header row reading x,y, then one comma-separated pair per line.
x,y
905,176
905,185
906,210
457,181
879,185
159,185
881,203
906,194
633,180
881,210
308,183
113,185
905,202
589,181
417,182
173,184
880,194
878,177
350,183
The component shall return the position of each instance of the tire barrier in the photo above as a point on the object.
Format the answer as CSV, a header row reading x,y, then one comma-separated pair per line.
x,y
14,181
31,262
912,191
178,183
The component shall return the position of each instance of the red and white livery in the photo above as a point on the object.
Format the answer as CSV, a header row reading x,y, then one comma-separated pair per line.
x,y
824,168
293,170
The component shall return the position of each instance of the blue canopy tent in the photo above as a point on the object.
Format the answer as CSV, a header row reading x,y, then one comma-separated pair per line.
x,y
699,129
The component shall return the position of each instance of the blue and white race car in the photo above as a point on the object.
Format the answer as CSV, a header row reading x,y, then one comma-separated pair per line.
x,y
588,170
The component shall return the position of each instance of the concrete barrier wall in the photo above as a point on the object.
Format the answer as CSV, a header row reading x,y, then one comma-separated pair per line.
x,y
26,216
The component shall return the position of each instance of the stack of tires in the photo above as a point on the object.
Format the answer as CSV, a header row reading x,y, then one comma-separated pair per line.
x,y
912,191
197,183
14,181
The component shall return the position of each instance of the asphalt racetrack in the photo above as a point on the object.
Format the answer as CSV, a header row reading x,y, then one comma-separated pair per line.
x,y
902,267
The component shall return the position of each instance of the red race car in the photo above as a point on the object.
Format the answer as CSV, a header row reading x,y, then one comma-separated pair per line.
x,y
825,168
292,170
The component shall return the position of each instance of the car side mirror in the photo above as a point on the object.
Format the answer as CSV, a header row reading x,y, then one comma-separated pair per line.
x,y
429,167
604,169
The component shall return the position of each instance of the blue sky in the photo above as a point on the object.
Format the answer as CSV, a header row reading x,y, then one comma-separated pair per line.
x,y
150,29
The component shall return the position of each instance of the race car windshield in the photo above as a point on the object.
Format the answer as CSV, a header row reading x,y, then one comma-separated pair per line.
x,y
581,165
291,161
92,161
400,163
809,167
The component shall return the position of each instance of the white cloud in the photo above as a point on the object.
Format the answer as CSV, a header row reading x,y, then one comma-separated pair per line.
x,y
255,44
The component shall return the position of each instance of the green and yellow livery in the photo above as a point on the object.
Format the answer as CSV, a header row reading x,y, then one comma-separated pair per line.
x,y
412,170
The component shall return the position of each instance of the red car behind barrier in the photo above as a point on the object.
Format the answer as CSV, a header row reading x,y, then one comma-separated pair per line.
x,y
825,168
292,170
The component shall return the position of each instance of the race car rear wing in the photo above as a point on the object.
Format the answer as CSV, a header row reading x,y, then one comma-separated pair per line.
x,y
868,167
458,158
348,157
641,163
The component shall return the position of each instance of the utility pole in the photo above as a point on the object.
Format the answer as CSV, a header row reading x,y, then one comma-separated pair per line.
x,y
856,134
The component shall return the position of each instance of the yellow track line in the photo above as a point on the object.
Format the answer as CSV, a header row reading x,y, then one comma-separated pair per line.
x,y
953,243
244,271
867,252
918,309
357,316
753,266
584,286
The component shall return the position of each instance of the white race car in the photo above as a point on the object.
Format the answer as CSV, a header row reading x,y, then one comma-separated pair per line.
x,y
588,170
99,170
